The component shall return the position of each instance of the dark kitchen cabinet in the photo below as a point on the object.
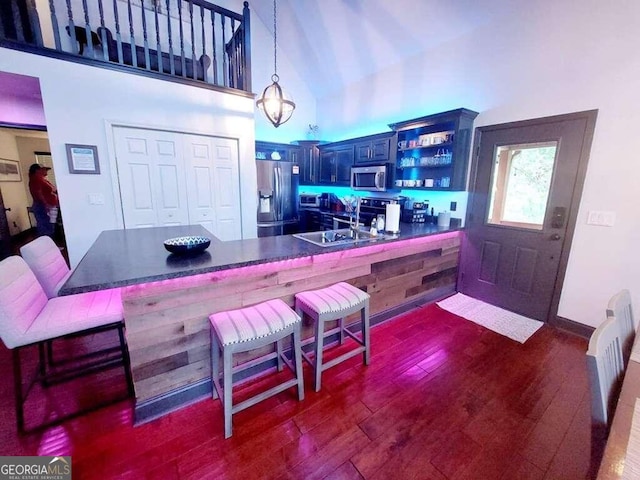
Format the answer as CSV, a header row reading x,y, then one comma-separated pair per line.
x,y
433,151
310,220
336,161
374,149
309,161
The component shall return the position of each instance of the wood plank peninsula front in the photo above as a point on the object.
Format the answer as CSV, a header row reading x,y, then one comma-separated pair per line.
x,y
167,298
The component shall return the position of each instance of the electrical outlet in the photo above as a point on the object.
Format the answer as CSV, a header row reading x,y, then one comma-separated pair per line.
x,y
601,218
453,206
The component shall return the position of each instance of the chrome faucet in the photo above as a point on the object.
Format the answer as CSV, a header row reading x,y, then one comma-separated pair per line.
x,y
355,226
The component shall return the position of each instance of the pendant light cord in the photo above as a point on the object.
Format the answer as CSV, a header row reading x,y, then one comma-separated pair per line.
x,y
275,36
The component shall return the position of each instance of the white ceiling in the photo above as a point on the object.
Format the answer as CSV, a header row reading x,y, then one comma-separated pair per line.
x,y
333,43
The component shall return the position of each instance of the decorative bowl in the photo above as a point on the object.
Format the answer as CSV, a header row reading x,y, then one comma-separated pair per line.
x,y
191,244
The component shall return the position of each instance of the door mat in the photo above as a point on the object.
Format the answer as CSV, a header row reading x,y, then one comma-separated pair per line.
x,y
501,321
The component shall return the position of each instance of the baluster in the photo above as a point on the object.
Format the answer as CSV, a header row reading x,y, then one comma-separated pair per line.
x,y
204,45
232,52
158,49
144,36
72,29
17,21
134,55
225,73
54,24
246,49
34,22
215,55
103,33
171,64
118,36
184,69
193,41
87,29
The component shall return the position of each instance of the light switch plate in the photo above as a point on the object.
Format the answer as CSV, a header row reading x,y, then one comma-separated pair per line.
x,y
602,218
96,199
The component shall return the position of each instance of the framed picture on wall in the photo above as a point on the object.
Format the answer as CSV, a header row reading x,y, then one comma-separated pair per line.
x,y
83,159
10,170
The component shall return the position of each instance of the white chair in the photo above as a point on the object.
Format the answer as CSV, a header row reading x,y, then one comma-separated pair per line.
x,y
47,263
28,318
50,268
606,369
619,309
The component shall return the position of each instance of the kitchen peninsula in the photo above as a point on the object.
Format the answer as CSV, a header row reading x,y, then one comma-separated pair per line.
x,y
167,298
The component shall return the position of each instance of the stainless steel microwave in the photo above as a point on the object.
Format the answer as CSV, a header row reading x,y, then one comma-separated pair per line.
x,y
372,178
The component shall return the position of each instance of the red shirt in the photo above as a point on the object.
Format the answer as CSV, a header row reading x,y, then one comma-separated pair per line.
x,y
43,191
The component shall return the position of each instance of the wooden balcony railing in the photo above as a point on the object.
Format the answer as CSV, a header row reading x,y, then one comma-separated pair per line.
x,y
188,39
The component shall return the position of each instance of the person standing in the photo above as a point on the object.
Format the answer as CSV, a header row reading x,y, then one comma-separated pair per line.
x,y
45,198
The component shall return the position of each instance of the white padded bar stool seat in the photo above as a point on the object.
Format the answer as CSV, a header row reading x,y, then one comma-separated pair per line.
x,y
335,303
247,329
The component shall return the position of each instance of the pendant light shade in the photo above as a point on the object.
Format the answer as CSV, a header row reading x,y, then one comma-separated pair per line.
x,y
276,105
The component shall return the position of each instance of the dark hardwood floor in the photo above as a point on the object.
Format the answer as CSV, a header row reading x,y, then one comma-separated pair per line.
x,y
442,399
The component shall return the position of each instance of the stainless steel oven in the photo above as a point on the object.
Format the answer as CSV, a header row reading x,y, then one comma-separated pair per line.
x,y
372,178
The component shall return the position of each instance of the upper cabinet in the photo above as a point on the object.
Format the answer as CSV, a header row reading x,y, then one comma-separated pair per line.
x,y
336,160
309,162
374,149
433,151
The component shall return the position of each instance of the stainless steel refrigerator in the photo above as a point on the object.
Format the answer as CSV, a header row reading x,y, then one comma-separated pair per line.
x,y
277,197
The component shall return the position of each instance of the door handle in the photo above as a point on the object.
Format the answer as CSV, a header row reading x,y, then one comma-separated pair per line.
x,y
555,236
7,209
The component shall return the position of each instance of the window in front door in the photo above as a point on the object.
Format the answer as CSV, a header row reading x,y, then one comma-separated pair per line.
x,y
521,180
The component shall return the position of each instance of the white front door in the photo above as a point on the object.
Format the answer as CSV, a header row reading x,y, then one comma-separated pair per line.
x,y
169,178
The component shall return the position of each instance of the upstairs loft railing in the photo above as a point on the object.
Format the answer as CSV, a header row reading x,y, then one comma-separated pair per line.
x,y
188,39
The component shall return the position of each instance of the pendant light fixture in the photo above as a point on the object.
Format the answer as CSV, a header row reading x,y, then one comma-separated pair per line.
x,y
275,104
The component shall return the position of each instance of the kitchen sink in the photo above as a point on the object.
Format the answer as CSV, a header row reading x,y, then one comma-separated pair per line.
x,y
342,236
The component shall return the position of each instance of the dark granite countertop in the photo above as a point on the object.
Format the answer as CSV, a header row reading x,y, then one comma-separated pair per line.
x,y
127,257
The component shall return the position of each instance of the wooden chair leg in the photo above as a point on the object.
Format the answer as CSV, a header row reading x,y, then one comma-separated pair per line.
x,y
17,382
341,323
279,354
364,315
318,359
215,366
227,365
297,355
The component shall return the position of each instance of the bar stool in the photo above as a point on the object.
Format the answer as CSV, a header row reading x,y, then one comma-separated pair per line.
x,y
334,303
247,329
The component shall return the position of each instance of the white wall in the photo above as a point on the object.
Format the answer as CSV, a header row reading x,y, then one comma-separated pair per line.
x,y
538,59
81,102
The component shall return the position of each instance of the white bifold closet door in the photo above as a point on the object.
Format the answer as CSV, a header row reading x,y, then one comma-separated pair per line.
x,y
169,178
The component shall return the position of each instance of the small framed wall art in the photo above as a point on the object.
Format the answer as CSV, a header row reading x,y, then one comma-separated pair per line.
x,y
9,171
83,159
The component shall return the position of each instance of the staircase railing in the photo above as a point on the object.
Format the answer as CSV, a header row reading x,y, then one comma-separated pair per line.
x,y
188,39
